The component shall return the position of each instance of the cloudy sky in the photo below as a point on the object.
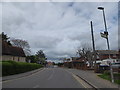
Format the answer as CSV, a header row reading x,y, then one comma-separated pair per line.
x,y
59,28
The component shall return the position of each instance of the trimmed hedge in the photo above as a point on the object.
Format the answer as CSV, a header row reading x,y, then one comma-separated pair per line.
x,y
12,67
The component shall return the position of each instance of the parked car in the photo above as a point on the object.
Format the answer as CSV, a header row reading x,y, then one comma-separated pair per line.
x,y
108,61
55,66
116,67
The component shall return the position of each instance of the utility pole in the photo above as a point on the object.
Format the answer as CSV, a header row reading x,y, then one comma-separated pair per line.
x,y
106,34
94,52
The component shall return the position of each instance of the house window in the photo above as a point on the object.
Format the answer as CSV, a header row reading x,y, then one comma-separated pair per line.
x,y
98,57
18,59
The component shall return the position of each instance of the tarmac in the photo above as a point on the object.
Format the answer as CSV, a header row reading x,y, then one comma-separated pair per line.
x,y
87,75
20,75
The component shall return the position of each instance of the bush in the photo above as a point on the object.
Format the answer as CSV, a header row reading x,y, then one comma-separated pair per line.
x,y
12,67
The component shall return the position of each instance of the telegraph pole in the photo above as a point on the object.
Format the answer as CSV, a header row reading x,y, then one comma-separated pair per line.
x,y
94,52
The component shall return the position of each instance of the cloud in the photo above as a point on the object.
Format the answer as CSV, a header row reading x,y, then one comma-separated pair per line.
x,y
59,28
45,42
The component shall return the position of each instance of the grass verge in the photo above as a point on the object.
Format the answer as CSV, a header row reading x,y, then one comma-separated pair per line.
x,y
107,77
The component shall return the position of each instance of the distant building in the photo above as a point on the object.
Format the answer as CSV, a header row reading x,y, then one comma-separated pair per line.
x,y
104,54
49,64
76,62
83,63
12,53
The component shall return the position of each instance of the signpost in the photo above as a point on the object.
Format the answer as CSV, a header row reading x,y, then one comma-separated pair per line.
x,y
104,35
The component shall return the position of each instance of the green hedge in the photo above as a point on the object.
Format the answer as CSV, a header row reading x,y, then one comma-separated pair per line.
x,y
12,67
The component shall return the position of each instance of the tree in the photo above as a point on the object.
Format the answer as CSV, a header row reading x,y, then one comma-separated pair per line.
x,y
60,64
54,63
31,59
86,52
40,57
22,44
5,38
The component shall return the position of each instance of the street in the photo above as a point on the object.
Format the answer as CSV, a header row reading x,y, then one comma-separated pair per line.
x,y
46,78
56,44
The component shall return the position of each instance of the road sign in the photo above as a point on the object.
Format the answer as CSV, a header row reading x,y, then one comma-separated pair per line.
x,y
104,35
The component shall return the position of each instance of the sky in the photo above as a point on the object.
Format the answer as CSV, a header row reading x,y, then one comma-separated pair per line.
x,y
60,28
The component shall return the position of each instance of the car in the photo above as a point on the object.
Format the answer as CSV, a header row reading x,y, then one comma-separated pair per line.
x,y
55,66
109,61
116,65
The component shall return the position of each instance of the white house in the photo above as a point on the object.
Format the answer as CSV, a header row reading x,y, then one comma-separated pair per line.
x,y
12,53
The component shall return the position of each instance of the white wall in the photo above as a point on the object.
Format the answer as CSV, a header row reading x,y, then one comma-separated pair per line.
x,y
13,58
7,57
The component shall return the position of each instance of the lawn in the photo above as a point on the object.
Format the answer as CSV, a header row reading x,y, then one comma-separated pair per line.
x,y
107,77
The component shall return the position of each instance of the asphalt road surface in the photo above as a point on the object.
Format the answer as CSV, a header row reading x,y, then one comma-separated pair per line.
x,y
46,78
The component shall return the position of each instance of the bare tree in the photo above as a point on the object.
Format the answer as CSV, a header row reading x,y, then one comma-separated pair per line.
x,y
22,44
85,51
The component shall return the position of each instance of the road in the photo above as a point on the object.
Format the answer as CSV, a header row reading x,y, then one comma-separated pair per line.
x,y
46,78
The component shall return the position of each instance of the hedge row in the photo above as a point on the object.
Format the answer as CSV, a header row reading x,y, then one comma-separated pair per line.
x,y
12,67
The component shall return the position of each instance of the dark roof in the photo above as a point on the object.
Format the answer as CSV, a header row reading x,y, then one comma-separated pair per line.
x,y
107,51
78,61
75,58
11,50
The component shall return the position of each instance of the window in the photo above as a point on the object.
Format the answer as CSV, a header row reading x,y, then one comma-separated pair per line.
x,y
18,59
97,57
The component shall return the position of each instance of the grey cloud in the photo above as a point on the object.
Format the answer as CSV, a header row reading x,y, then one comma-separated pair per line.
x,y
59,28
44,42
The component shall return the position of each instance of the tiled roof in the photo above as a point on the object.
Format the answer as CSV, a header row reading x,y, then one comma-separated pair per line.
x,y
78,61
107,51
10,50
75,58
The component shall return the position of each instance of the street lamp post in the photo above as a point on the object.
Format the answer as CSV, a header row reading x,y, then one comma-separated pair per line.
x,y
106,33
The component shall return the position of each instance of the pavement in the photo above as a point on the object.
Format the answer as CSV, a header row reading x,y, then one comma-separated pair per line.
x,y
93,79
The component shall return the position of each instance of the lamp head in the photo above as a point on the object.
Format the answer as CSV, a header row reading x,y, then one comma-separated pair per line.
x,y
101,8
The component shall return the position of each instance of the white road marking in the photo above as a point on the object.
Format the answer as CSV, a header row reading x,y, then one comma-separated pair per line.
x,y
36,86
23,76
85,85
81,81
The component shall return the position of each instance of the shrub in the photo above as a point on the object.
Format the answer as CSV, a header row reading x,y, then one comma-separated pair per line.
x,y
12,67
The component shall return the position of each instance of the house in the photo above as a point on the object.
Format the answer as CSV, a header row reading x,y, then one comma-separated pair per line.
x,y
104,54
12,53
79,63
76,62
49,64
